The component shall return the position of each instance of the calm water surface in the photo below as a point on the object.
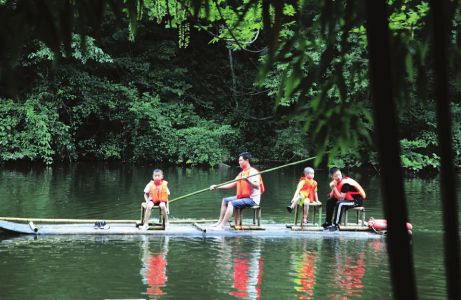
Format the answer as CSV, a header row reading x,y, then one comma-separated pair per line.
x,y
310,267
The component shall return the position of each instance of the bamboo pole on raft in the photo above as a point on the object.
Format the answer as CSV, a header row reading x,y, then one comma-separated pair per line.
x,y
234,180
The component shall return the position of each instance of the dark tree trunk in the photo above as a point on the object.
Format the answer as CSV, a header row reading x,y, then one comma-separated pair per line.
x,y
447,173
395,207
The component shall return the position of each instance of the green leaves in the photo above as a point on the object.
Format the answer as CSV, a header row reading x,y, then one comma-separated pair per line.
x,y
82,50
147,99
202,144
173,132
418,154
30,130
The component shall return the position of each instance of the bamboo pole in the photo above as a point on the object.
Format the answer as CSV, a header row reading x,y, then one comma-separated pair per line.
x,y
234,180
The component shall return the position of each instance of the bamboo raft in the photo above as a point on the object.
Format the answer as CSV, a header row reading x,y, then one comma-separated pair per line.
x,y
31,226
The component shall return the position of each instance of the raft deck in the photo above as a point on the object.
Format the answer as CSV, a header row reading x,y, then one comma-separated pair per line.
x,y
176,229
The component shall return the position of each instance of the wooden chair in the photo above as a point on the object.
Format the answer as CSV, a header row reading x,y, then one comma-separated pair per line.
x,y
316,211
161,220
360,210
238,215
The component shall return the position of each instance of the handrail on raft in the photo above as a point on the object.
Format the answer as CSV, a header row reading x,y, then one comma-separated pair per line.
x,y
45,220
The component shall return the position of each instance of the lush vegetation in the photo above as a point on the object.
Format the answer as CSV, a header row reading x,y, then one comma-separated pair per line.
x,y
190,91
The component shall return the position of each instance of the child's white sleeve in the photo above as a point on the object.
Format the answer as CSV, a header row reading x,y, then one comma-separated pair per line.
x,y
147,188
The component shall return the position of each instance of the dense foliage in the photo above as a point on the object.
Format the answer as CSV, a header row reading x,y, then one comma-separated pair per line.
x,y
186,89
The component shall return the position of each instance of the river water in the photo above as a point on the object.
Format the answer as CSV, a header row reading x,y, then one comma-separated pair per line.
x,y
137,267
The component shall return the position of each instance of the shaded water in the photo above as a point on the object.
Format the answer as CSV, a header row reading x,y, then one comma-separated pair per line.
x,y
199,268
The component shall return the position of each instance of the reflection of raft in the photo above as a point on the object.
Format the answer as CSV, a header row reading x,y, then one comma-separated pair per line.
x,y
173,229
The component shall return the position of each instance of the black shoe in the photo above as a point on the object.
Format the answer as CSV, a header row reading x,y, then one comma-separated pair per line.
x,y
97,225
103,225
332,227
289,209
326,224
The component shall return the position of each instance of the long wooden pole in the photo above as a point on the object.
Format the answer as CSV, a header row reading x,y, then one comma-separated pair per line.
x,y
234,180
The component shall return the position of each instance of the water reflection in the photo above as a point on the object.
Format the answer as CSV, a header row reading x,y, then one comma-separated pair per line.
x,y
247,272
350,270
238,267
154,267
213,268
345,268
305,268
334,268
202,268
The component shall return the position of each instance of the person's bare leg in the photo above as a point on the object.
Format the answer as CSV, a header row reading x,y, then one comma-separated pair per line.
x,y
227,216
306,212
147,213
164,212
293,205
221,214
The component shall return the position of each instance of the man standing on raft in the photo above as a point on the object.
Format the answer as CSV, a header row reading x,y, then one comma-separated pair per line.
x,y
249,189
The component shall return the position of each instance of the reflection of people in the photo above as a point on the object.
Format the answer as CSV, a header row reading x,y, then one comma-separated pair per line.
x,y
154,268
306,276
306,189
249,189
156,193
345,193
348,277
247,274
305,262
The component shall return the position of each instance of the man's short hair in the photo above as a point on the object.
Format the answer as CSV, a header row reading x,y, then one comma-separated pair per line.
x,y
308,170
333,170
157,171
245,156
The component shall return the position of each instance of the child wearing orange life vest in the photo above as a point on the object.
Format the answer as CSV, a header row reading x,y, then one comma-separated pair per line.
x,y
306,190
156,193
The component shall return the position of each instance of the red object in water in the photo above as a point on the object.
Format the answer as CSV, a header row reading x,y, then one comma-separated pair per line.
x,y
381,224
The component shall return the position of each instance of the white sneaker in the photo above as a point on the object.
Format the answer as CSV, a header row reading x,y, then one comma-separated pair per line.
x,y
144,227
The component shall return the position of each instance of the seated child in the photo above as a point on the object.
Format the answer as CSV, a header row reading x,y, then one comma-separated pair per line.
x,y
307,189
156,193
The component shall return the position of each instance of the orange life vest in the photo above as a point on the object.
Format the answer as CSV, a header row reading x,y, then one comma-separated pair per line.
x,y
346,180
159,193
309,188
244,188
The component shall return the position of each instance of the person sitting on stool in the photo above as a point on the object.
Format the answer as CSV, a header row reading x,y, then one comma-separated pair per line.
x,y
156,193
306,193
345,193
